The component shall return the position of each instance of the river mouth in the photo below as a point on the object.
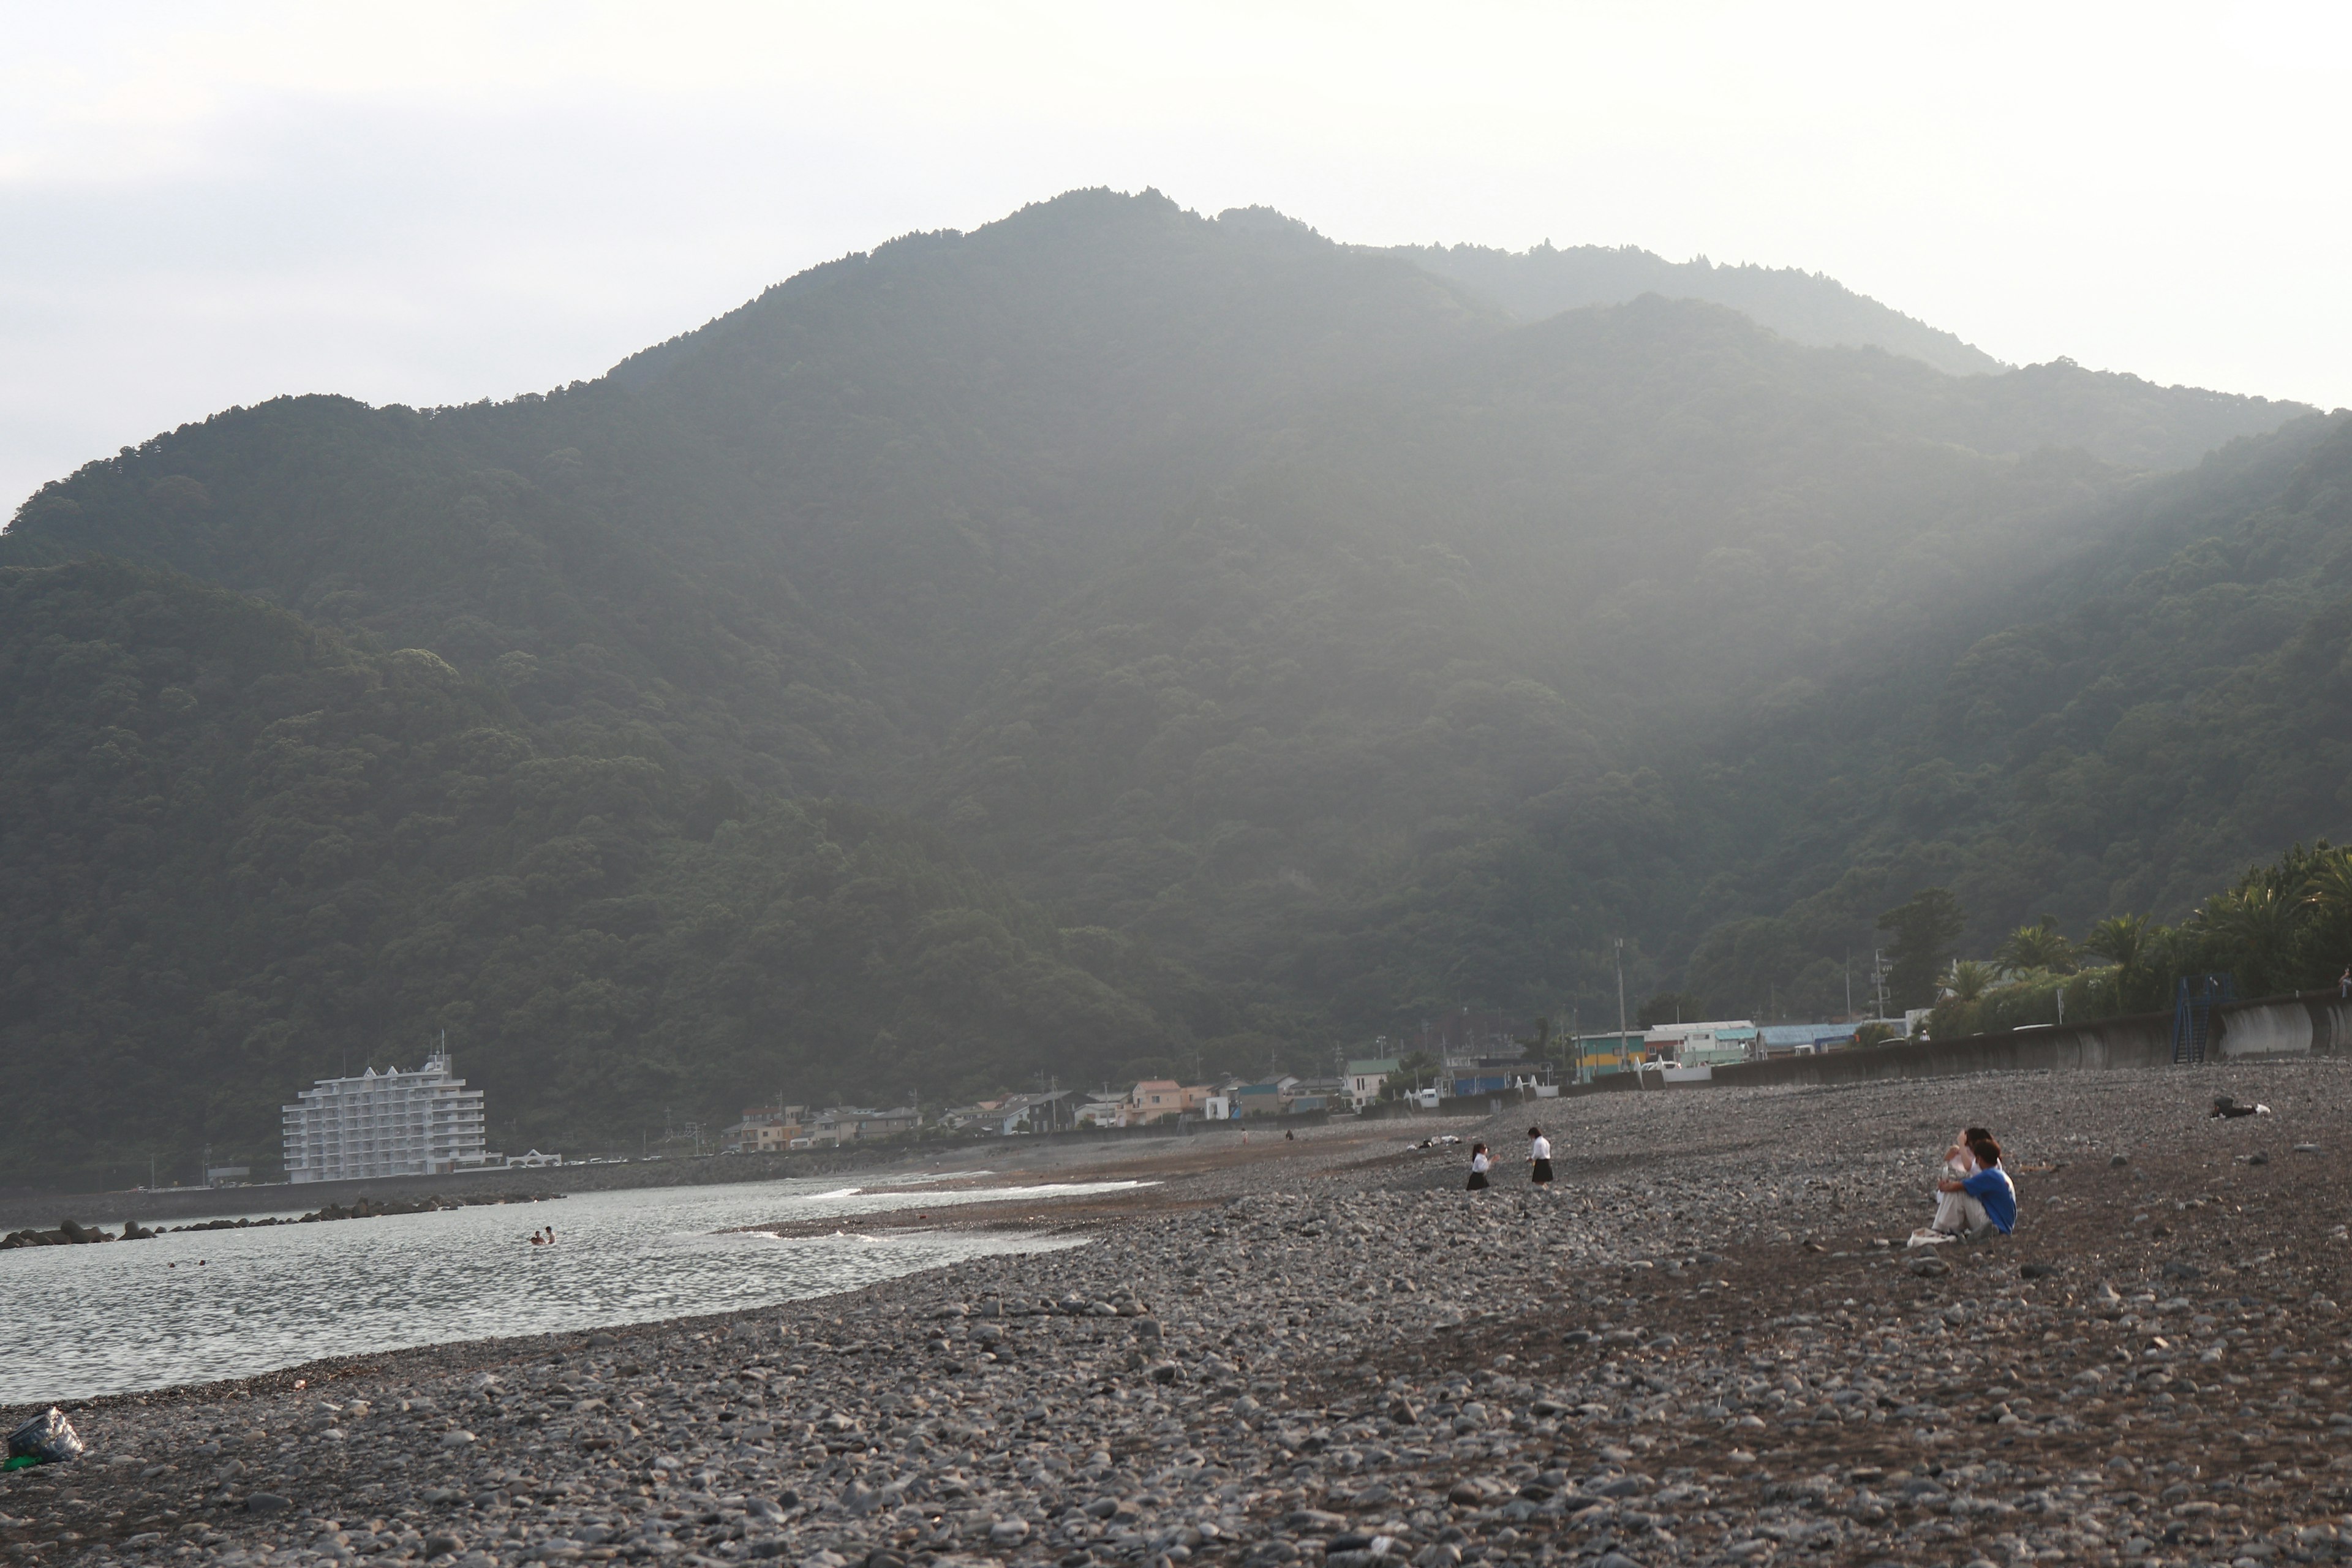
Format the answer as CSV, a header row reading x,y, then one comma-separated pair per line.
x,y
200,1306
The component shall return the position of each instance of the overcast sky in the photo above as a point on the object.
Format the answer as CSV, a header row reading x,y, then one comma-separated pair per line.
x,y
208,205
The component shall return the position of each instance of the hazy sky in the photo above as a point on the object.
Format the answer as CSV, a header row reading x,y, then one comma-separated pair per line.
x,y
206,205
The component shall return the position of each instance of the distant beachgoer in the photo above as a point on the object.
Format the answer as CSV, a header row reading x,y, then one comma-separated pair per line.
x,y
1538,1157
537,1240
1289,1136
1478,1168
551,1236
2343,983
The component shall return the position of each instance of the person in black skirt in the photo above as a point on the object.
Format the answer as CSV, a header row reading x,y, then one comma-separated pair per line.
x,y
1478,1168
1538,1157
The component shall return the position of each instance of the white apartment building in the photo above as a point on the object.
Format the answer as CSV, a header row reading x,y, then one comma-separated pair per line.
x,y
395,1123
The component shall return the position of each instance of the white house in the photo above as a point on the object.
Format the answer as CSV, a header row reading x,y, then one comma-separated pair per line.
x,y
1361,1083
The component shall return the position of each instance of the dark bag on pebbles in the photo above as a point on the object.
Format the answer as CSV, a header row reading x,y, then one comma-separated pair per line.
x,y
47,1439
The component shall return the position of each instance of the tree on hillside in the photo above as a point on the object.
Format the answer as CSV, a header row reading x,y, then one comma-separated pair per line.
x,y
2038,946
1669,1007
1546,1045
1414,1069
2251,930
2327,911
1970,980
1926,928
2130,942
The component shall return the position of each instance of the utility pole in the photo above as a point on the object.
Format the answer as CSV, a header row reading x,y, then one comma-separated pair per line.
x,y
1849,984
1621,1001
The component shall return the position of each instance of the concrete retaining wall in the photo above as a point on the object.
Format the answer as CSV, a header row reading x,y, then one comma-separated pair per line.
x,y
2301,1024
2267,1029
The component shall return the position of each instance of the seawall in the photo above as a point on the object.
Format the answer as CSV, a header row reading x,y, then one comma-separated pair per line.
x,y
2303,1023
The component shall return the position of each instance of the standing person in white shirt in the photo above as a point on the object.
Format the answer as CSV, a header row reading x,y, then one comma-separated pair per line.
x,y
1538,1157
1478,1168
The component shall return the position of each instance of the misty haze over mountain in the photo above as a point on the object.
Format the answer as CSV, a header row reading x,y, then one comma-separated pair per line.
x,y
1118,639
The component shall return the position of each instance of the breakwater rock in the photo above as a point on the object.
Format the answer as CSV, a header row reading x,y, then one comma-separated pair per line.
x,y
1707,1346
377,1208
69,1234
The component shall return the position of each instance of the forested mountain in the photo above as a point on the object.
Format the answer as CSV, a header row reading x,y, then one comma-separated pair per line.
x,y
2124,733
782,541
242,854
1114,636
2118,417
1803,307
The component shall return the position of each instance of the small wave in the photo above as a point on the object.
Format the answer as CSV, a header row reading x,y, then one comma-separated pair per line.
x,y
820,1197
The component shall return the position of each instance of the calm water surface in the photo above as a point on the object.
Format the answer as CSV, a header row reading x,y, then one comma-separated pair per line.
x,y
102,1320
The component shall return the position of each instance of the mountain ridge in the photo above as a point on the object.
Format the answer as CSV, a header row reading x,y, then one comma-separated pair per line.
x,y
1210,638
1805,307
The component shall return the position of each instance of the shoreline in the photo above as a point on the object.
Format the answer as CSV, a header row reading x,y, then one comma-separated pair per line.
x,y
1692,1350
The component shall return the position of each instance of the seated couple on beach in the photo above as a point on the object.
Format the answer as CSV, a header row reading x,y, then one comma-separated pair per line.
x,y
1976,1199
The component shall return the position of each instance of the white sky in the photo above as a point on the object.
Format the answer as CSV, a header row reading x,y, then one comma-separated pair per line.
x,y
202,204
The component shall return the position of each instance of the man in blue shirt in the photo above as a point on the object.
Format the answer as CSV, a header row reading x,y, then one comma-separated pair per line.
x,y
1987,1196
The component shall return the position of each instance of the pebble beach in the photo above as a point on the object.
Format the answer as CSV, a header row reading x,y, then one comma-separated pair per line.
x,y
1706,1345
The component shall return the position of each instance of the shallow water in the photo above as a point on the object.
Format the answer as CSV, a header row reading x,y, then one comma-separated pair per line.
x,y
143,1314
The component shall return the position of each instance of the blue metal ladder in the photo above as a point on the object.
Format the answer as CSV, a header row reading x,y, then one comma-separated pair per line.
x,y
2194,998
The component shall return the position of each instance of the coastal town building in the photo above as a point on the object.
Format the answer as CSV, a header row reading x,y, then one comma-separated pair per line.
x,y
1493,1075
1154,1098
1714,1044
1272,1098
1600,1054
1102,1110
974,1115
842,1124
421,1123
1362,1082
1802,1040
765,1130
1034,1113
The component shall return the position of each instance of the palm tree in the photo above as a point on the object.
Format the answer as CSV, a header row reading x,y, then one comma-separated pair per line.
x,y
2254,923
2129,943
2037,947
2328,889
1970,980
2121,940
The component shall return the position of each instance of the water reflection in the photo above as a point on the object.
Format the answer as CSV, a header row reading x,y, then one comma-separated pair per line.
x,y
211,1304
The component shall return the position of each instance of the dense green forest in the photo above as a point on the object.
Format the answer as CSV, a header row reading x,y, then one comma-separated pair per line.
x,y
2166,711
1114,637
242,854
